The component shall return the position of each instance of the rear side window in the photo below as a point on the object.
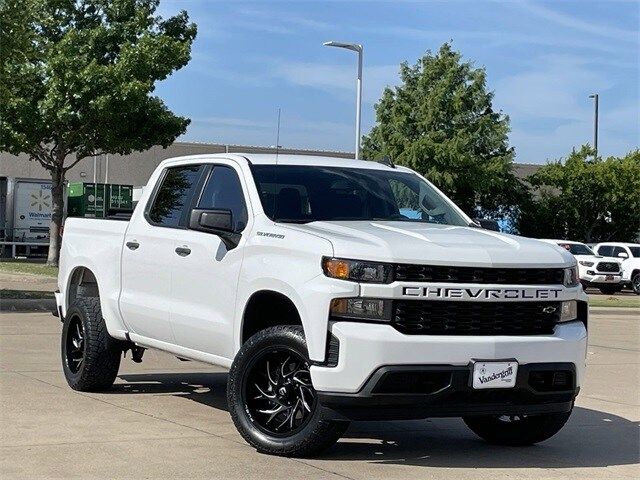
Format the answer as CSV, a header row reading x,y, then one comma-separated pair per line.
x,y
605,251
174,195
223,191
618,250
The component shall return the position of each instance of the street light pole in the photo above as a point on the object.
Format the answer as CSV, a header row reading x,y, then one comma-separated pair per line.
x,y
358,49
595,124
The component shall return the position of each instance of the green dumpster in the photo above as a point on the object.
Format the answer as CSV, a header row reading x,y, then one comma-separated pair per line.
x,y
98,199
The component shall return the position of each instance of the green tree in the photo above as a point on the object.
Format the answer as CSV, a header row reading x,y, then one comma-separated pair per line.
x,y
77,79
441,123
584,199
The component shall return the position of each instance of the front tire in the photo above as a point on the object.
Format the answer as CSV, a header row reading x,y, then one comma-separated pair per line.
x,y
517,430
635,284
271,399
90,356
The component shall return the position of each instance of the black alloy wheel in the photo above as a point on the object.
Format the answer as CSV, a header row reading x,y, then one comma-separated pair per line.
x,y
75,346
90,356
278,393
272,400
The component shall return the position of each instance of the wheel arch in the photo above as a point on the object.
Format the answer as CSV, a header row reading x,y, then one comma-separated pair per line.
x,y
82,283
267,308
84,280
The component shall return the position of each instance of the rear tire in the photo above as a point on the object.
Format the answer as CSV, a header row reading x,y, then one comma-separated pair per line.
x,y
517,430
271,400
90,356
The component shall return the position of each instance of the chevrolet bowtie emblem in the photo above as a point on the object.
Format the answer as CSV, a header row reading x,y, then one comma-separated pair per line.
x,y
549,309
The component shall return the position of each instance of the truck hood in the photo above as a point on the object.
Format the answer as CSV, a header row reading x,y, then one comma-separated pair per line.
x,y
597,258
422,243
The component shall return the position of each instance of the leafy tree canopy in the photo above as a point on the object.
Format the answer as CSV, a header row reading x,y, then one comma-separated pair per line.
x,y
440,122
77,77
584,199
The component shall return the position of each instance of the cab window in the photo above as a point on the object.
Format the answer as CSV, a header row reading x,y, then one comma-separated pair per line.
x,y
174,196
224,191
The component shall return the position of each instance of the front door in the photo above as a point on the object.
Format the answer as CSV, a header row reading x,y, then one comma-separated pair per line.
x,y
205,276
149,254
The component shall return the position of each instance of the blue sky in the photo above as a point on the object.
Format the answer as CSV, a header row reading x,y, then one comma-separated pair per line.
x,y
543,59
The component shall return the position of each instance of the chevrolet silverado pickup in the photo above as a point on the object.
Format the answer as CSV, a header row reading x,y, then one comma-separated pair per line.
x,y
333,290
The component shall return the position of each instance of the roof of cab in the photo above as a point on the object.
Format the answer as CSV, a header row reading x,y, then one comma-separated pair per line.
x,y
270,159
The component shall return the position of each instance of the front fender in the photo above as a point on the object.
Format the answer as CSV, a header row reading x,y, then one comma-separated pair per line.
x,y
311,299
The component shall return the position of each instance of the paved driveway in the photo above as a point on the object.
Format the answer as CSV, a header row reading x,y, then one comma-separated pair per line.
x,y
167,419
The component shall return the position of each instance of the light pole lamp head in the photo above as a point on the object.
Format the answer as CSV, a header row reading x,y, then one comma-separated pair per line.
x,y
349,46
593,95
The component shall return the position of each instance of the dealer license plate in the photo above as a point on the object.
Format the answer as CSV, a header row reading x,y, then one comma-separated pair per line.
x,y
494,374
609,278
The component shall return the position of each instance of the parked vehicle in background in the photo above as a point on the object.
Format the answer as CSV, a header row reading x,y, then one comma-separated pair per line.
x,y
333,290
25,214
595,271
629,255
99,200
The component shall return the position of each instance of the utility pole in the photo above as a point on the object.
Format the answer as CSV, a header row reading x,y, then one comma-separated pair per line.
x,y
358,49
595,124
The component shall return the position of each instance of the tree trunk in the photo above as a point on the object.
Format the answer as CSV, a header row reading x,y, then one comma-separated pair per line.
x,y
57,210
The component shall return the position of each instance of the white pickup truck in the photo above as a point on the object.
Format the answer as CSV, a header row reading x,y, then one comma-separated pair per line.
x,y
595,271
334,290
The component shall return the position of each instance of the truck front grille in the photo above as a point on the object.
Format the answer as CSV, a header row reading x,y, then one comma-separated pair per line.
x,y
425,317
496,276
609,267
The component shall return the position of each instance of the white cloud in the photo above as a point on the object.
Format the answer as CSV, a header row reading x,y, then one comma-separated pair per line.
x,y
294,132
339,78
577,24
499,38
557,88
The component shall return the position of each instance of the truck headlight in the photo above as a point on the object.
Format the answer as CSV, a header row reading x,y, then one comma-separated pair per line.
x,y
357,270
571,278
585,263
568,311
374,309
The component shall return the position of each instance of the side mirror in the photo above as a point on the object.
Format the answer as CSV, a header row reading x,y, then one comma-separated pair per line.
x,y
623,255
216,221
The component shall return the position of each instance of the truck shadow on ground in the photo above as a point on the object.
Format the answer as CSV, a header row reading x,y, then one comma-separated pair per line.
x,y
591,438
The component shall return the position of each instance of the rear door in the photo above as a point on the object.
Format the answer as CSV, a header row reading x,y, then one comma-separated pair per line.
x,y
149,253
205,276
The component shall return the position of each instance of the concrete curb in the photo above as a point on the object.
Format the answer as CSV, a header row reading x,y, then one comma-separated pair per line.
x,y
27,305
614,310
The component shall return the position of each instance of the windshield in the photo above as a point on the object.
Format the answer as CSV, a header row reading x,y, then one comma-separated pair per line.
x,y
577,248
301,194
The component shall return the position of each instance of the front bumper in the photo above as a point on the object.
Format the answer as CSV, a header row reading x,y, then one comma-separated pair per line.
x,y
602,279
447,392
365,349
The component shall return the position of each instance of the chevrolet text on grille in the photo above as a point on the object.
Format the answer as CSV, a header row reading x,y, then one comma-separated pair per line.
x,y
481,293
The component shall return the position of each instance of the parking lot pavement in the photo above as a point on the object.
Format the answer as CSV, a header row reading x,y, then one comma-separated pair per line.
x,y
167,419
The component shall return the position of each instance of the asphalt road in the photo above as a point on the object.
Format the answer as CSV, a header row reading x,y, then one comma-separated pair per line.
x,y
167,419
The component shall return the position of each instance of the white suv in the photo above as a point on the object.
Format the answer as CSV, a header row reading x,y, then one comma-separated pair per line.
x,y
597,271
629,255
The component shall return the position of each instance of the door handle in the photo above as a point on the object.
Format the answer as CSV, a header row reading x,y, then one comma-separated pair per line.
x,y
132,245
183,251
